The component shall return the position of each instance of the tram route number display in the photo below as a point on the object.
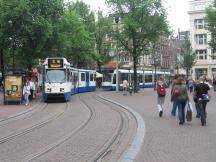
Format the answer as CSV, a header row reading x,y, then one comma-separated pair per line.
x,y
55,63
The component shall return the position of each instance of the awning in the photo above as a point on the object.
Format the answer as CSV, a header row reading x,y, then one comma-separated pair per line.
x,y
99,75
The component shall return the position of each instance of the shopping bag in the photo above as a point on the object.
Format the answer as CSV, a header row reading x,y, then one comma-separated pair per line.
x,y
188,114
190,106
205,97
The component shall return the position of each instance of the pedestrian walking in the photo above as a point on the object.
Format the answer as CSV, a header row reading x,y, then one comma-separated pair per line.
x,y
161,93
26,93
202,94
190,85
196,99
173,98
125,87
214,83
181,98
32,88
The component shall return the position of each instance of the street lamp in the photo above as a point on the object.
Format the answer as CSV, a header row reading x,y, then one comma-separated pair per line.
x,y
13,45
155,75
117,59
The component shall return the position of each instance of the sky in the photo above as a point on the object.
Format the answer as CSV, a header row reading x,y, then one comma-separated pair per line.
x,y
178,17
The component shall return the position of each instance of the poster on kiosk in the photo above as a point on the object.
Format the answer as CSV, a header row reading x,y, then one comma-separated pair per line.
x,y
12,89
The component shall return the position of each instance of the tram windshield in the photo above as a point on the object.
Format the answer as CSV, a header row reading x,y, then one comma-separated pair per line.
x,y
55,76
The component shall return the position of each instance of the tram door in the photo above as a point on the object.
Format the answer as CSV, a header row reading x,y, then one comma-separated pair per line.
x,y
87,79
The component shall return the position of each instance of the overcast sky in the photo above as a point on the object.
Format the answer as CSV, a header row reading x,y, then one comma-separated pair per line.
x,y
176,9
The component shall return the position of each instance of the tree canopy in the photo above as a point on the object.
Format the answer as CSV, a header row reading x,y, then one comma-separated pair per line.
x,y
211,21
141,23
35,29
188,55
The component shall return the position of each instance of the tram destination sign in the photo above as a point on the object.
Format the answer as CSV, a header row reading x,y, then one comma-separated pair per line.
x,y
55,63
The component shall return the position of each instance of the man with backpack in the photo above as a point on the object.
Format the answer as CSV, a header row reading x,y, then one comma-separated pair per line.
x,y
161,92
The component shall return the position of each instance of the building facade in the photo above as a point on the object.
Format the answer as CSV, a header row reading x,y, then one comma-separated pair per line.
x,y
199,37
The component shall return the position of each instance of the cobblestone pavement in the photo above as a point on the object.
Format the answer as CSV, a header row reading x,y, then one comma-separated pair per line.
x,y
165,140
11,109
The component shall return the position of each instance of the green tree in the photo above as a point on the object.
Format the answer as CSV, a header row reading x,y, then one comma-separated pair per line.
x,y
82,35
103,28
141,23
188,56
27,26
98,27
74,39
211,21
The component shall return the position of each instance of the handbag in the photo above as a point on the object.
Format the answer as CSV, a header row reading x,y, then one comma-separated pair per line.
x,y
189,114
205,97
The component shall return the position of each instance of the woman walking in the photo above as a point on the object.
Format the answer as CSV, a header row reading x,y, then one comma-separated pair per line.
x,y
161,93
26,93
180,92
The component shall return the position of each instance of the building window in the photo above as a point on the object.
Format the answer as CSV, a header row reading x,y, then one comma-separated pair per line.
x,y
201,39
124,57
213,54
200,72
201,54
199,23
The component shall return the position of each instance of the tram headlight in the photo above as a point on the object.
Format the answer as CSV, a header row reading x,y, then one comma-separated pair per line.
x,y
49,90
61,89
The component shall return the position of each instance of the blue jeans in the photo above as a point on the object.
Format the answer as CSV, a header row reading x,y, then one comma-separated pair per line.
x,y
26,98
191,89
173,112
201,105
197,110
181,110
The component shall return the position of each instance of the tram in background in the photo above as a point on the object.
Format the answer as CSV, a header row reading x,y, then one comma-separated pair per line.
x,y
60,80
146,79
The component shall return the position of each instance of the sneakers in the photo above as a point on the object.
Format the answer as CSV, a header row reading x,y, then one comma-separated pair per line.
x,y
203,122
160,113
197,116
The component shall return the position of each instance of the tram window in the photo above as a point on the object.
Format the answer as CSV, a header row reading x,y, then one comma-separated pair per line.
x,y
114,79
140,78
68,76
148,78
123,76
83,77
55,76
91,77
107,77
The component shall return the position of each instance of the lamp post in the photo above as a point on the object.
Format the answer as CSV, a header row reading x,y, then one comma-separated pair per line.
x,y
155,75
13,45
117,59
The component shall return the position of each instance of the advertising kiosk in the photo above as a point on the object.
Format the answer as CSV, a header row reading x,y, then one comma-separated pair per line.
x,y
13,89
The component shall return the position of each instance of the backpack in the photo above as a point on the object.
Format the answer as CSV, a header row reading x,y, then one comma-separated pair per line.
x,y
176,91
161,90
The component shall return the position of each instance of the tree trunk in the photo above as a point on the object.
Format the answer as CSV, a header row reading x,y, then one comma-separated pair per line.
x,y
136,88
2,62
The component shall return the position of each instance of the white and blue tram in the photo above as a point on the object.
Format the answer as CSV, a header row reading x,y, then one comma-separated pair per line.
x,y
60,80
145,79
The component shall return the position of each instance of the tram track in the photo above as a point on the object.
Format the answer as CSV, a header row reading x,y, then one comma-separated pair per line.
x,y
40,106
111,147
33,127
61,141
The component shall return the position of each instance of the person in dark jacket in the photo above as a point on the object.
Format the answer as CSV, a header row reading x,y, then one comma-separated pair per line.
x,y
181,98
214,83
174,107
200,89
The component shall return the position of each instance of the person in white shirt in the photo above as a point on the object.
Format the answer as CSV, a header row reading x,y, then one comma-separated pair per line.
x,y
26,93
